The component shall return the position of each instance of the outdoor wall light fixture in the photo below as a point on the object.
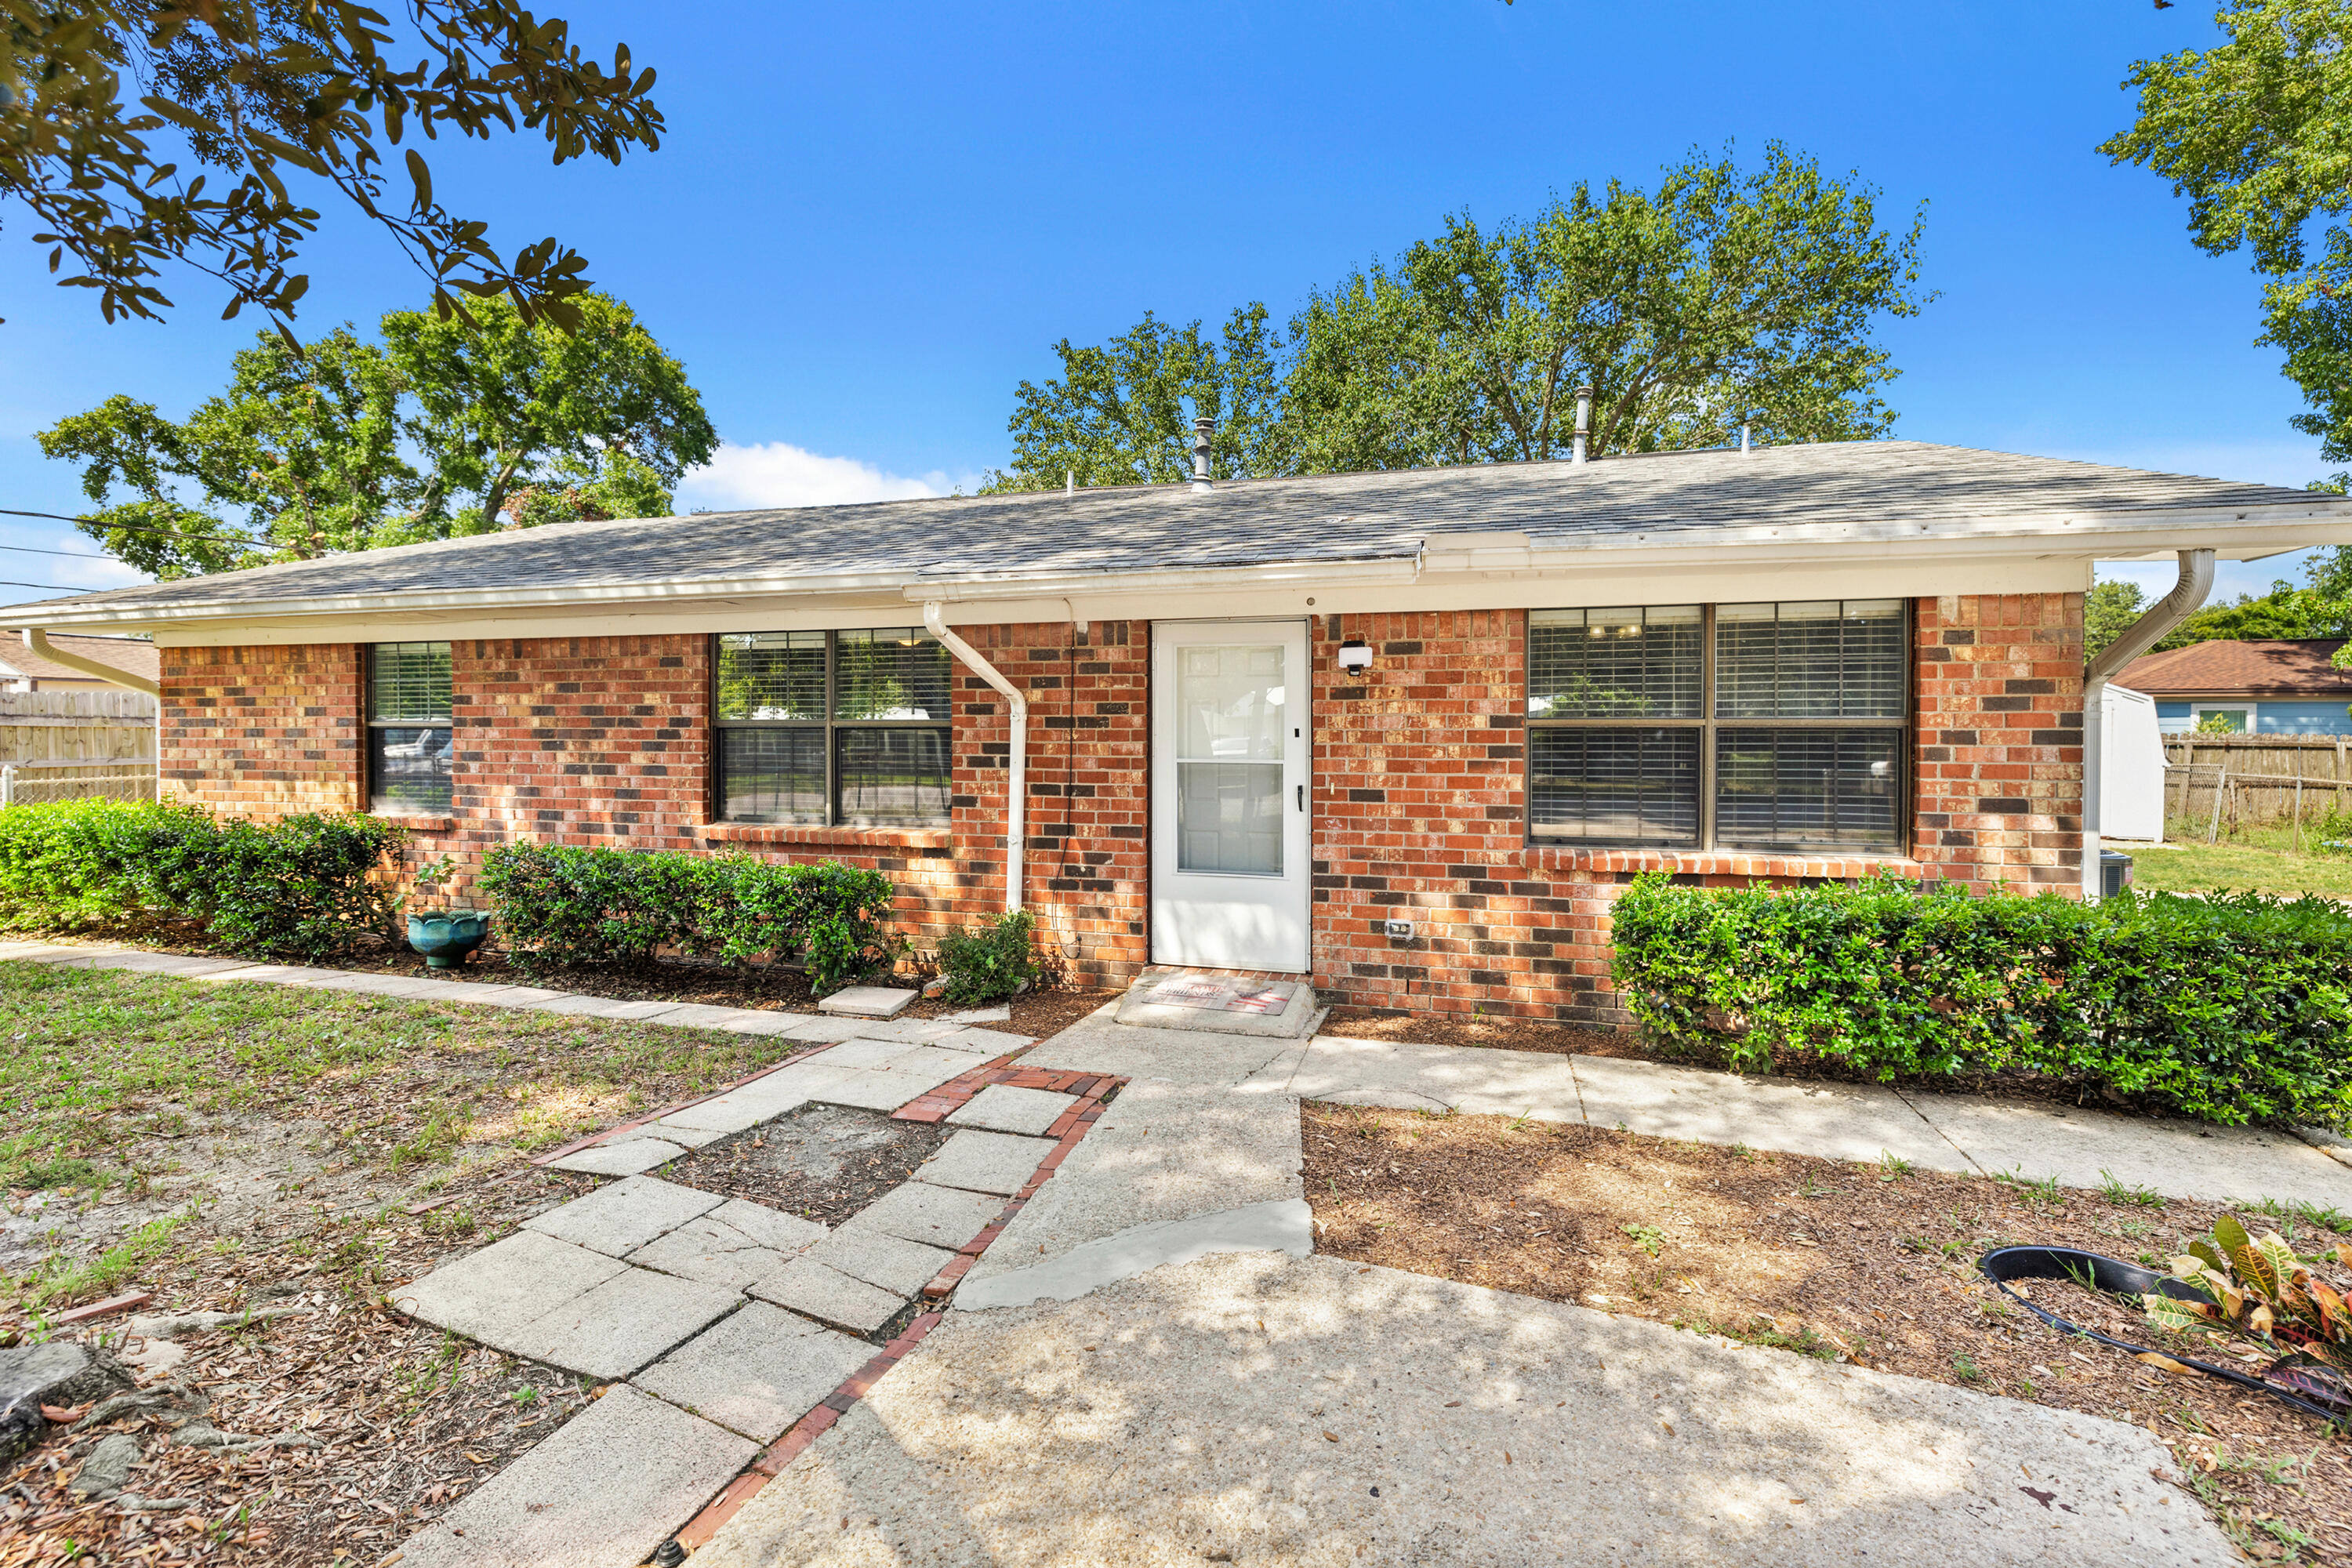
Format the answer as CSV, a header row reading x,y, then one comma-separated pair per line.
x,y
1355,654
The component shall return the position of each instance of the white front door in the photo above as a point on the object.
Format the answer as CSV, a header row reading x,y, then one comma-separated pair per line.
x,y
1229,874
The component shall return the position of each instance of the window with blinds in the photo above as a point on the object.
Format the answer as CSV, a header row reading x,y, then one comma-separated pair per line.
x,y
1766,726
847,728
408,728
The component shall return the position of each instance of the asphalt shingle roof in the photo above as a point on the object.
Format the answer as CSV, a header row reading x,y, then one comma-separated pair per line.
x,y
2274,667
1326,518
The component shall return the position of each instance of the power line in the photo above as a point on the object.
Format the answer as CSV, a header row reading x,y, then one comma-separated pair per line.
x,y
146,528
60,587
69,555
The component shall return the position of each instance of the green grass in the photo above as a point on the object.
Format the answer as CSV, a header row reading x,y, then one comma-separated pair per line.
x,y
2194,867
93,1062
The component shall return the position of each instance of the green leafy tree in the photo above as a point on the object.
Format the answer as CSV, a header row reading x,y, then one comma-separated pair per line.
x,y
597,421
448,429
1122,413
1714,299
2286,611
141,133
2255,132
303,451
2109,611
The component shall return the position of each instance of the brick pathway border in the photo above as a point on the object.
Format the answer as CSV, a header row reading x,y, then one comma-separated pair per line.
x,y
937,1106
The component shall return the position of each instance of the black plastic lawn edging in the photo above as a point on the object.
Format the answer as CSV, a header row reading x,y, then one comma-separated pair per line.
x,y
2115,1276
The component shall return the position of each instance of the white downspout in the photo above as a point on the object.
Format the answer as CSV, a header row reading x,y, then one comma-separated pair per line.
x,y
1016,825
2196,581
36,643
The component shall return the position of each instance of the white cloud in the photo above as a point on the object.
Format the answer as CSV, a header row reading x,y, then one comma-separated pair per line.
x,y
777,473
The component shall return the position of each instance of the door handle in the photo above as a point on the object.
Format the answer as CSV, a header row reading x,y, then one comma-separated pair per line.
x,y
1302,797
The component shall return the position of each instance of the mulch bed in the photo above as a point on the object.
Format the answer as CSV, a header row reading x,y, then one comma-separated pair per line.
x,y
771,988
824,1163
1871,1264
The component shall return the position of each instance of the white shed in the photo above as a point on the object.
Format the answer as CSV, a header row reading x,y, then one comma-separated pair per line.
x,y
2131,766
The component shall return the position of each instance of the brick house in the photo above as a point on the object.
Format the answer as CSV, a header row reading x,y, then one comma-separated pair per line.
x,y
1408,732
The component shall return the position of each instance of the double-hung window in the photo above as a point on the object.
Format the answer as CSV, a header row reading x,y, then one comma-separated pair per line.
x,y
846,729
1771,726
408,728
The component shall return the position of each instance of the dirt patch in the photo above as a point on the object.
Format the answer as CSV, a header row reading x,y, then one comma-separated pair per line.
x,y
1477,1029
824,1163
1874,1264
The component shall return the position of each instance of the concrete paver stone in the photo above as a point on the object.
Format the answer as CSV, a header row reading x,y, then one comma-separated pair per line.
x,y
816,1028
602,1491
627,1158
488,1295
864,1052
867,1001
1001,1107
691,1137
617,1219
151,962
1001,1013
876,1088
734,1111
757,1371
625,1322
705,1250
769,1227
984,1042
980,1162
887,1262
829,1296
1833,1120
916,1211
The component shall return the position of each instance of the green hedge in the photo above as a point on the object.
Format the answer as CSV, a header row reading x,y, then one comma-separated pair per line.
x,y
558,906
304,886
2230,1009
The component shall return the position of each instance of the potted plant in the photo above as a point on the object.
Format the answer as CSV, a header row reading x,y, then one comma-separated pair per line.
x,y
444,937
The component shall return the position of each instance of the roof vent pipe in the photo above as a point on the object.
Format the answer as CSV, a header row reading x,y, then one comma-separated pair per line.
x,y
1200,428
1584,422
1743,438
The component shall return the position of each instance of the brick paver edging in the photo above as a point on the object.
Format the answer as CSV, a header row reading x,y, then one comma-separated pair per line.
x,y
1068,1128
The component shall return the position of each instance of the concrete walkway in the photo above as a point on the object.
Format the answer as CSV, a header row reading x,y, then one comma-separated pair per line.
x,y
1975,1134
1255,1408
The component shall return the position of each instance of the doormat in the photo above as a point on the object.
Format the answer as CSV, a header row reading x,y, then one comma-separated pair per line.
x,y
1211,994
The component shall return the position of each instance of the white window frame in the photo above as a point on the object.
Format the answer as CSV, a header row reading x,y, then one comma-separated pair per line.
x,y
2252,711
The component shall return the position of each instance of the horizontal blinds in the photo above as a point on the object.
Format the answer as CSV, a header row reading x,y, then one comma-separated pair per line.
x,y
1611,785
1805,788
897,673
771,776
1825,659
771,677
408,682
1642,663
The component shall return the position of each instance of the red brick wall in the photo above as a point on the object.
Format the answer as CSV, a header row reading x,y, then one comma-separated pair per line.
x,y
1420,791
1999,742
1421,803
262,731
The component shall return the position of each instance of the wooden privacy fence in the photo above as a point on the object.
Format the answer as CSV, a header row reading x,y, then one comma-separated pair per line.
x,y
72,746
2225,781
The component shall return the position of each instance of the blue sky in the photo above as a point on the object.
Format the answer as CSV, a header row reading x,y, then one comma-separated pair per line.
x,y
866,224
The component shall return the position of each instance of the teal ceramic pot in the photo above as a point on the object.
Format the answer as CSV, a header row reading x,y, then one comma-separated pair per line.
x,y
445,939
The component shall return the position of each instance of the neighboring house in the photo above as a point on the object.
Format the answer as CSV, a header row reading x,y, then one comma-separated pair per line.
x,y
1410,733
2277,687
24,671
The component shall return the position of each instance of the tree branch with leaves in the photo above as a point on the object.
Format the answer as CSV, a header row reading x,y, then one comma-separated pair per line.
x,y
143,134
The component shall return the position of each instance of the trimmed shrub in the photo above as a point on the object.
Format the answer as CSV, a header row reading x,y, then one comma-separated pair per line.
x,y
992,962
2229,1008
304,886
560,906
